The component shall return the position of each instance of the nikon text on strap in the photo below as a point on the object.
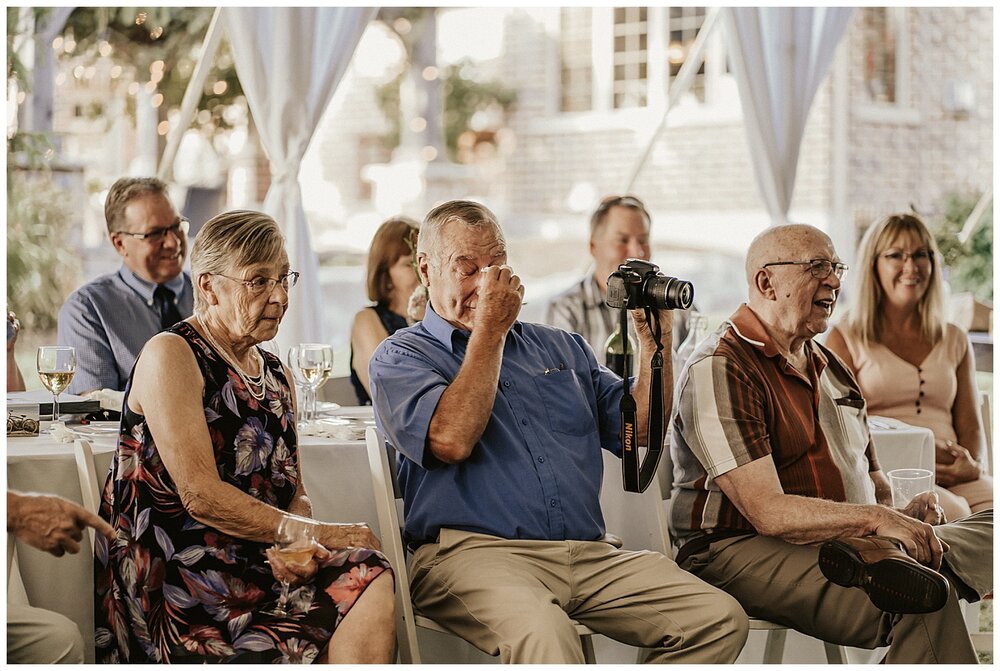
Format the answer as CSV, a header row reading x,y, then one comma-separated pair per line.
x,y
636,477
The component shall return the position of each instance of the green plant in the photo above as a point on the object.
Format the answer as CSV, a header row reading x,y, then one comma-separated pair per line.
x,y
41,267
970,264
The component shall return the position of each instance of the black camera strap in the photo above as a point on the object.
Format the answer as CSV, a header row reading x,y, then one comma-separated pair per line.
x,y
636,477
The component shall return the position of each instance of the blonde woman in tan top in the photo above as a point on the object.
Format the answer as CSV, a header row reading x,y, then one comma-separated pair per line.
x,y
911,364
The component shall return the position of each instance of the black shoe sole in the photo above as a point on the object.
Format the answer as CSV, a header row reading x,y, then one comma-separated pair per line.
x,y
893,585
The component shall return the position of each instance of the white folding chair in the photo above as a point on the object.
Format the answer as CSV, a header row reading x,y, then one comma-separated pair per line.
x,y
774,647
383,473
986,413
90,486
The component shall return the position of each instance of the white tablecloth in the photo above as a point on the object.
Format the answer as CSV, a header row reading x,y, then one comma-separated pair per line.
x,y
337,479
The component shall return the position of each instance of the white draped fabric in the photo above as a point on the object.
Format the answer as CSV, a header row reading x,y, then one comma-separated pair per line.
x,y
290,61
780,56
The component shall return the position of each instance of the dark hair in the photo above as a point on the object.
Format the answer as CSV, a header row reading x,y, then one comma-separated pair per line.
x,y
396,237
600,215
124,191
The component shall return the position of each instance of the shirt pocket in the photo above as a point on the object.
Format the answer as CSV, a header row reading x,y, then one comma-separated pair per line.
x,y
566,404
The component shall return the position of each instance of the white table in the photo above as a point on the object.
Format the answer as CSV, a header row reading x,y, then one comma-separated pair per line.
x,y
337,479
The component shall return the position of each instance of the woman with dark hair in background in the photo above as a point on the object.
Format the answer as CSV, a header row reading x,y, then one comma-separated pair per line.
x,y
391,281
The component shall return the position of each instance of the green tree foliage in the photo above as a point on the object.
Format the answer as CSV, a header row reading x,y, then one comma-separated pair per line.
x,y
463,97
140,36
971,264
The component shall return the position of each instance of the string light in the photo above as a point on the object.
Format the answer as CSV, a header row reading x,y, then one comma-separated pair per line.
x,y
157,100
219,87
430,73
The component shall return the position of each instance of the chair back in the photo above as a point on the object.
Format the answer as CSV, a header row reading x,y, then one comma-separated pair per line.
x,y
90,487
338,390
382,463
986,412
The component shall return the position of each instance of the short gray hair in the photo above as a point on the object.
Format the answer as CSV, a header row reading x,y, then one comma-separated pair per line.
x,y
230,240
466,212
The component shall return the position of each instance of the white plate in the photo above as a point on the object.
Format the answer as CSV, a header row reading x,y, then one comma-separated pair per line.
x,y
95,429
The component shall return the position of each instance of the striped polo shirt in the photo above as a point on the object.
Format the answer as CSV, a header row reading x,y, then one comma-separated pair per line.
x,y
739,400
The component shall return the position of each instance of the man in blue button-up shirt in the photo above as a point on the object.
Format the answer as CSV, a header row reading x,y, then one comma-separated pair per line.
x,y
500,425
109,319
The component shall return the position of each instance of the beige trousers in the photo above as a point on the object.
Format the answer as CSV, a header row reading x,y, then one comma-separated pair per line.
x,y
781,582
517,598
39,636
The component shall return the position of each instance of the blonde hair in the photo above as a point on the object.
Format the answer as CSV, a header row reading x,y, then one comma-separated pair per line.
x,y
123,192
464,211
235,239
865,320
396,237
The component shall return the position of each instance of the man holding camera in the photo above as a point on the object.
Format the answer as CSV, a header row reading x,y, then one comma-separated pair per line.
x,y
619,230
500,424
778,495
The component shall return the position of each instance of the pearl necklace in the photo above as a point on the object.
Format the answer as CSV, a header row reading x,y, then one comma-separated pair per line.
x,y
252,382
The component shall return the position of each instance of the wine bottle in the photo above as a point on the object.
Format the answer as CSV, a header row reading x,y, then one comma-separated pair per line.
x,y
618,350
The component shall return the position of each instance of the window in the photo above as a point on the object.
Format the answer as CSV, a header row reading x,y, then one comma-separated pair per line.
x,y
630,57
880,30
684,24
575,60
617,58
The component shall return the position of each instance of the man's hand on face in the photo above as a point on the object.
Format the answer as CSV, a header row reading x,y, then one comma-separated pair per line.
x,y
500,297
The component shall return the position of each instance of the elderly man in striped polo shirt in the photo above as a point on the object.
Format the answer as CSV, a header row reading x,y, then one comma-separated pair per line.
x,y
778,495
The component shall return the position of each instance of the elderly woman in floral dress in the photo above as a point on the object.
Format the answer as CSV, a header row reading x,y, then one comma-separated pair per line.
x,y
207,466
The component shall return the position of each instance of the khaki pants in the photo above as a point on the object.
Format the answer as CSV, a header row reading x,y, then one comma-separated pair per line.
x,y
781,582
516,598
39,636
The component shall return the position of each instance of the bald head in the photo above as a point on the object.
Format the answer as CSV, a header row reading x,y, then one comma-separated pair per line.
x,y
783,243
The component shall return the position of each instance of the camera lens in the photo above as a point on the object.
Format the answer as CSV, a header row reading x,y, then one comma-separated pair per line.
x,y
669,293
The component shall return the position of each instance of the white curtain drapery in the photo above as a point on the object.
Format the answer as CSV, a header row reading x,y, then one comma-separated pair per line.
x,y
289,61
780,56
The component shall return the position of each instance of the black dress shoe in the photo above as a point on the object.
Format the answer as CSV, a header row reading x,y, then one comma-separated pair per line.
x,y
894,581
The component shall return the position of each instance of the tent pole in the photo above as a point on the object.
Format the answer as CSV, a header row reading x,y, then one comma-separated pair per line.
x,y
976,216
682,83
191,96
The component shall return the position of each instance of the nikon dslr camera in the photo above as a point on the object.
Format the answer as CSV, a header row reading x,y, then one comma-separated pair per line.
x,y
638,284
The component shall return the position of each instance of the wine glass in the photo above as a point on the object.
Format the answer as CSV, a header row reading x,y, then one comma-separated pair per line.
x,y
295,540
56,367
314,363
292,359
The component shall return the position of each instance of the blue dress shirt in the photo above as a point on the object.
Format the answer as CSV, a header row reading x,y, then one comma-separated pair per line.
x,y
536,472
109,320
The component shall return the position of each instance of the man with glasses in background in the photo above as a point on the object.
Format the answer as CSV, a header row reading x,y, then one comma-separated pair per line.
x,y
619,230
778,497
109,319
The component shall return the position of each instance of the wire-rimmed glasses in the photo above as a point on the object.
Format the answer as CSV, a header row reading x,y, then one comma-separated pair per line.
x,y
820,268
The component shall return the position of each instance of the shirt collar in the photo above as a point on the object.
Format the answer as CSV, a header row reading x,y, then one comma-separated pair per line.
x,y
445,332
747,325
145,288
592,291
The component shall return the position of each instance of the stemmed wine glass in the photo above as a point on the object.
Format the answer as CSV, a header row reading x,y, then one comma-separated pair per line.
x,y
56,367
295,540
313,364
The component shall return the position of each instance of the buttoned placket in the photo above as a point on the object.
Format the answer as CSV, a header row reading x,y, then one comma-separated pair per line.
x,y
515,398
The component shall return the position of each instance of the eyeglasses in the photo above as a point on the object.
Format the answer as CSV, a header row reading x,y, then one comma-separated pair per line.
x,y
898,258
157,235
820,268
260,285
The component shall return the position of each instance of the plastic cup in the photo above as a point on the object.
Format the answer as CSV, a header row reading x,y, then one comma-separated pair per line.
x,y
907,483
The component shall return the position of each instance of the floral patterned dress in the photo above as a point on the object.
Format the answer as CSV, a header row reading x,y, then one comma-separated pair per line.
x,y
171,589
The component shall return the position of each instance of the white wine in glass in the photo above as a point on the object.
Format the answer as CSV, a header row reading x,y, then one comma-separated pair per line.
x,y
315,363
56,367
295,541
